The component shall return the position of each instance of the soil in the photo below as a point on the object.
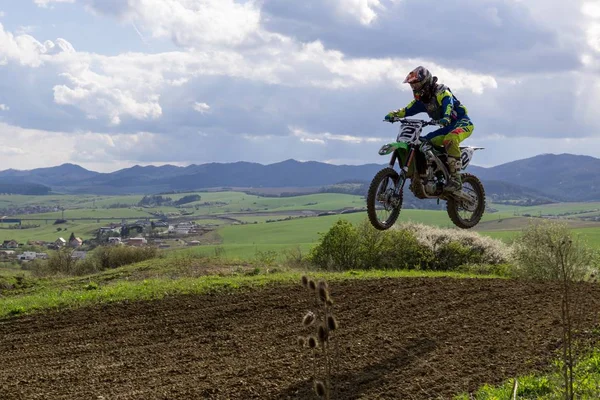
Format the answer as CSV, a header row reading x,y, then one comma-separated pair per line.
x,y
412,338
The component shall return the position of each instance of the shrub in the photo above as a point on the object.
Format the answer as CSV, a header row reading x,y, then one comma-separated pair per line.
x,y
294,257
338,248
547,250
109,257
62,262
265,258
402,250
482,249
372,245
408,246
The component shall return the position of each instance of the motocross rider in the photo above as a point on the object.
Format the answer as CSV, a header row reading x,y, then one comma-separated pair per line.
x,y
441,105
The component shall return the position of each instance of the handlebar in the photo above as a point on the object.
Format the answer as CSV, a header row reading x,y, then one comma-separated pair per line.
x,y
406,120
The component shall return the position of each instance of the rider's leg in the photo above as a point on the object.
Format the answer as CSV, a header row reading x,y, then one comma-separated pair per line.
x,y
437,137
460,131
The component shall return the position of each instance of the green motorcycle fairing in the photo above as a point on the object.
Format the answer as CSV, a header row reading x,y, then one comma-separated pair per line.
x,y
400,147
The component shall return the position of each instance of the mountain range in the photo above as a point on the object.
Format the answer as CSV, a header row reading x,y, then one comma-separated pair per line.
x,y
543,178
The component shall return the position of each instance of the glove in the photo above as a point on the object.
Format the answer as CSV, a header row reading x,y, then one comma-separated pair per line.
x,y
444,121
390,117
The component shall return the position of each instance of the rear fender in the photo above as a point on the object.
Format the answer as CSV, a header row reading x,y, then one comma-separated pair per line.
x,y
466,155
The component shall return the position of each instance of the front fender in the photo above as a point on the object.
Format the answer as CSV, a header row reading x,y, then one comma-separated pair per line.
x,y
402,147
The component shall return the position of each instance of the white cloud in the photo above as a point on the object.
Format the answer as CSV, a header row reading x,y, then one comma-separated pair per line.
x,y
45,3
98,95
323,138
27,51
363,10
231,62
4,107
190,23
202,108
591,9
11,151
30,148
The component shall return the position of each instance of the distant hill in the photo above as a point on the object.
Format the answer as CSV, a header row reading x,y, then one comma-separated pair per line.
x,y
543,178
564,177
52,176
8,186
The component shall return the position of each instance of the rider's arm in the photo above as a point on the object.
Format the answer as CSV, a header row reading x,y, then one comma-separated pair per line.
x,y
414,107
446,100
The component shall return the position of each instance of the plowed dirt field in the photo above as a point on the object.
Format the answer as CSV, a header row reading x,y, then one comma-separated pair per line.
x,y
412,338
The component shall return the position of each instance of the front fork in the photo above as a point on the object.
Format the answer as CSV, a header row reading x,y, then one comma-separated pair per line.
x,y
403,168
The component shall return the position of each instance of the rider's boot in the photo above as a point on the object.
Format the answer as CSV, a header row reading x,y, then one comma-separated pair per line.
x,y
454,168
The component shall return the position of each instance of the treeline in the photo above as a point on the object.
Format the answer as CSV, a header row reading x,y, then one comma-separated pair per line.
x,y
158,200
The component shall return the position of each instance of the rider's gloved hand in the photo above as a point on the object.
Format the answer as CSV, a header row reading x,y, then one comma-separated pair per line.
x,y
444,122
390,117
425,144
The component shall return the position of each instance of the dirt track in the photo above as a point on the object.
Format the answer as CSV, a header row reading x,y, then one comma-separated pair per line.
x,y
399,339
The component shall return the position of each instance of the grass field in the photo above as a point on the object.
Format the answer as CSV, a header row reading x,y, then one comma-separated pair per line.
x,y
549,209
246,240
48,232
91,213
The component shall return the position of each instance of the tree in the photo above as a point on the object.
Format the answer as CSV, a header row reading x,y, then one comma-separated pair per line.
x,y
72,237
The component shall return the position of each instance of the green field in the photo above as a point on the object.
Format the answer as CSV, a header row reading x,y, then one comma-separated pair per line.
x,y
91,213
549,209
48,232
245,240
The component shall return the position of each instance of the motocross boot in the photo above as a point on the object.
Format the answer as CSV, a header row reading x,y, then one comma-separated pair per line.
x,y
454,168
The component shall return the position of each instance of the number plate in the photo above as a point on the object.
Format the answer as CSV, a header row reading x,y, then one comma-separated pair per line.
x,y
409,132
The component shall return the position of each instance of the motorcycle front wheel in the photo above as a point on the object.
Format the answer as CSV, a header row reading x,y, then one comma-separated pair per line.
x,y
384,199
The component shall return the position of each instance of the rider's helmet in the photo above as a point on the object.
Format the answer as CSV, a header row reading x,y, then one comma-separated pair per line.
x,y
421,82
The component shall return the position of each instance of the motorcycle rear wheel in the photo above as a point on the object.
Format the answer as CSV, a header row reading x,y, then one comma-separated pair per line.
x,y
462,217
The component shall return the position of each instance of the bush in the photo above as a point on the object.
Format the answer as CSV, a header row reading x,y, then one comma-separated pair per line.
x,y
294,257
547,250
265,258
481,249
408,246
116,256
62,262
338,249
402,250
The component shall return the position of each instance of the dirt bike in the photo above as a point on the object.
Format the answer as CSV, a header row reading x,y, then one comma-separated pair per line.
x,y
426,166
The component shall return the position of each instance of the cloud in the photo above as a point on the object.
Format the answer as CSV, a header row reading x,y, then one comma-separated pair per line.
x,y
202,108
311,80
365,11
4,107
493,35
27,51
97,96
189,23
322,138
46,3
10,151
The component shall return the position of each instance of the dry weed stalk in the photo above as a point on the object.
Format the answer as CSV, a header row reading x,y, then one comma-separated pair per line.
x,y
322,323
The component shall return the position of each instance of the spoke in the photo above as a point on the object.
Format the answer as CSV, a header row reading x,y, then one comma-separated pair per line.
x,y
465,214
384,207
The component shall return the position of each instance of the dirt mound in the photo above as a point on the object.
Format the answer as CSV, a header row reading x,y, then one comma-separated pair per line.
x,y
399,339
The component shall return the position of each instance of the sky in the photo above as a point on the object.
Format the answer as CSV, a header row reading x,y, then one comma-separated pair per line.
x,y
108,84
